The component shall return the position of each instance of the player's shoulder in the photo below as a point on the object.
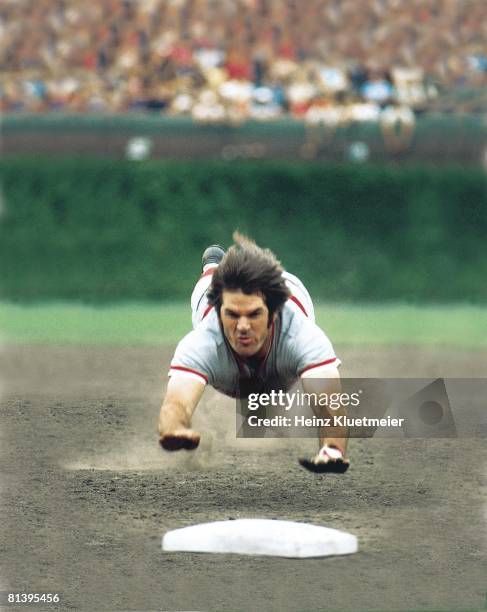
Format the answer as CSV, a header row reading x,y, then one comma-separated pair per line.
x,y
302,343
206,339
295,323
200,351
299,334
206,336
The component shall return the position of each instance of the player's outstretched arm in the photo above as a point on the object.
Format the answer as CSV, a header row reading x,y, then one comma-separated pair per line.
x,y
332,439
181,399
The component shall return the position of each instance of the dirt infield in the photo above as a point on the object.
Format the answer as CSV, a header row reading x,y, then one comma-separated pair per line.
x,y
86,494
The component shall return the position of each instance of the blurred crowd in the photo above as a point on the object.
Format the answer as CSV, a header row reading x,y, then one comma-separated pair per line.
x,y
238,59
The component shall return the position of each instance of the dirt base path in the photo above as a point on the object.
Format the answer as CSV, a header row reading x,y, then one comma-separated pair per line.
x,y
86,494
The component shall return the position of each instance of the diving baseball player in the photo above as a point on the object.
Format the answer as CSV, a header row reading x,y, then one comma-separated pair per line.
x,y
253,323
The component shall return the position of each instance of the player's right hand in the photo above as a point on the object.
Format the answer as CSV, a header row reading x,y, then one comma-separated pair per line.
x,y
180,438
329,459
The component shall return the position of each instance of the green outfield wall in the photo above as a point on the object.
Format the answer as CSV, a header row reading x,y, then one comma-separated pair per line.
x,y
439,138
101,230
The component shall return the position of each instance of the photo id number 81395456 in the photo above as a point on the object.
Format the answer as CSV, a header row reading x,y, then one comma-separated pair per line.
x,y
12,598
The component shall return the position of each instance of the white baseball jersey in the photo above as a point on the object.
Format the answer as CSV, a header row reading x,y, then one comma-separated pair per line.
x,y
298,347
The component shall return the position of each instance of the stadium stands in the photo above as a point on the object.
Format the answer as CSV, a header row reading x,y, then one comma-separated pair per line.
x,y
238,59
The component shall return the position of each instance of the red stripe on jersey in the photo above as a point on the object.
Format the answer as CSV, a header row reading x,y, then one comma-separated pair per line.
x,y
183,369
208,272
317,365
298,303
209,307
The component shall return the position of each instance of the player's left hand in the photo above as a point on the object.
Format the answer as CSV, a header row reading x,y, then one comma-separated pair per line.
x,y
182,438
328,460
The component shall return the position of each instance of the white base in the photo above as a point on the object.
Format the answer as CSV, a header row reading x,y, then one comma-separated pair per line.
x,y
261,537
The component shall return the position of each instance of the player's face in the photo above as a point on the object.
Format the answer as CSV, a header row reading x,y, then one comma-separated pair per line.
x,y
245,321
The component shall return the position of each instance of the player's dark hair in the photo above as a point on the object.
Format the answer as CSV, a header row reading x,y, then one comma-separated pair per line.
x,y
250,269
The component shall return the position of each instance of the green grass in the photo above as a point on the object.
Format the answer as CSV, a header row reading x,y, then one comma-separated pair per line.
x,y
137,324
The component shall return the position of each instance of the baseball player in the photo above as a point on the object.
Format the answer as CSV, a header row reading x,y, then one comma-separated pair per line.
x,y
253,323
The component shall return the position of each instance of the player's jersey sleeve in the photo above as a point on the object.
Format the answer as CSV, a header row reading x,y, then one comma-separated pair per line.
x,y
312,350
195,357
